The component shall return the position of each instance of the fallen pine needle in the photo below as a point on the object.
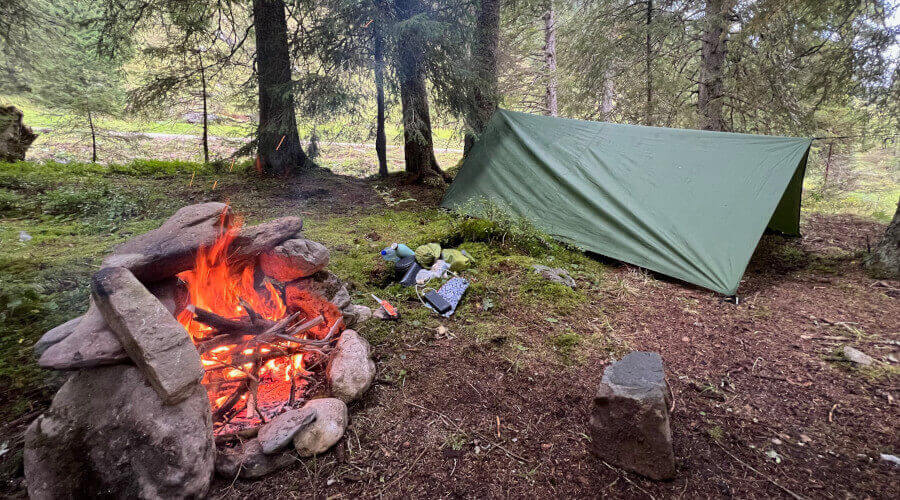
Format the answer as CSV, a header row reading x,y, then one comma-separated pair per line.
x,y
831,413
215,183
232,165
767,478
279,143
192,178
498,426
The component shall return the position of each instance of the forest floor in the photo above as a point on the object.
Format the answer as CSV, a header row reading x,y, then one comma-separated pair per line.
x,y
497,405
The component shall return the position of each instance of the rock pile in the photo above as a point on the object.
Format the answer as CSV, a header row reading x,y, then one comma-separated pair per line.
x,y
133,419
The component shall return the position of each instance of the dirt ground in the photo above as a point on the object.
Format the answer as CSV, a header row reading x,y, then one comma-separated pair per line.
x,y
763,405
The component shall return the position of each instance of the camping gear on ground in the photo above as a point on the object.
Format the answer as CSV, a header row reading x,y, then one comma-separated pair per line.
x,y
388,308
451,292
428,253
457,259
409,277
437,302
403,265
438,270
690,204
396,252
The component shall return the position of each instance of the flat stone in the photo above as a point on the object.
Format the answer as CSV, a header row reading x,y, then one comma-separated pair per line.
x,y
247,461
629,423
172,247
294,258
858,357
328,428
55,335
108,434
251,241
154,340
350,371
91,344
276,434
355,315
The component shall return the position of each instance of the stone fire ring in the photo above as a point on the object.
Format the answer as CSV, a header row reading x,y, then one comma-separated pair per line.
x,y
133,418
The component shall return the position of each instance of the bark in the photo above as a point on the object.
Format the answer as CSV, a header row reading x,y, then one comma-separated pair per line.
x,y
421,163
648,56
278,142
205,114
93,137
550,58
484,58
609,93
380,137
885,259
712,62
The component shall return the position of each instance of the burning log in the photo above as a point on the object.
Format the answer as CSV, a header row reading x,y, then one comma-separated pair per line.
x,y
250,325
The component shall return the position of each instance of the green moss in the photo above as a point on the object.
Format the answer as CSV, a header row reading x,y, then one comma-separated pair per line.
x,y
539,291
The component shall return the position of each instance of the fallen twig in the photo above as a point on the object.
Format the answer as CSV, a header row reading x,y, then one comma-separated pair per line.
x,y
767,478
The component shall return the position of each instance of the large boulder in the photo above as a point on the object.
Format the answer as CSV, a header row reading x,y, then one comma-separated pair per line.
x,y
351,370
15,136
629,424
108,434
172,247
154,340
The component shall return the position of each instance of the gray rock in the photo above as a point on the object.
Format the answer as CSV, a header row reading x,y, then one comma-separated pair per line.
x,y
355,315
858,357
350,371
108,434
91,344
555,274
294,258
247,461
251,241
172,247
277,433
15,136
330,424
154,340
55,336
891,459
629,424
341,299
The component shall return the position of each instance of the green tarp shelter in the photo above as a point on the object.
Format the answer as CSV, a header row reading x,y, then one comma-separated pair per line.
x,y
690,204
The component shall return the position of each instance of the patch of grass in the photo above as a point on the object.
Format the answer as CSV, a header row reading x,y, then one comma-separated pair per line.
x,y
488,222
716,433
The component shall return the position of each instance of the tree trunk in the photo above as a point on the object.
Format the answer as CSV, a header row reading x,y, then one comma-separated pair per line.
x,y
484,59
885,260
278,142
205,116
380,137
421,163
648,56
93,137
609,93
550,58
712,61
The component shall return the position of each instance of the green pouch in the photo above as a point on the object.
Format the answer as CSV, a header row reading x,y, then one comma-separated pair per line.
x,y
457,260
427,254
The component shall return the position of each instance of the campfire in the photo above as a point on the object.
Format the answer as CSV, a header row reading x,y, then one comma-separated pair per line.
x,y
259,352
208,345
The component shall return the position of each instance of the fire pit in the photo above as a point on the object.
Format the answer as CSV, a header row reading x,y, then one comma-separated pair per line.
x,y
208,344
